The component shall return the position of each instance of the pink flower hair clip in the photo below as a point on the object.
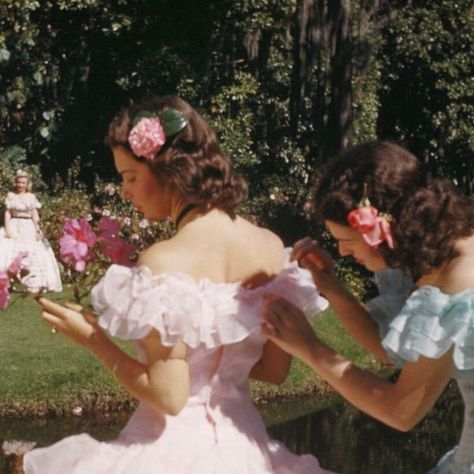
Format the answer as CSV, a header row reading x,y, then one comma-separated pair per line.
x,y
372,224
150,131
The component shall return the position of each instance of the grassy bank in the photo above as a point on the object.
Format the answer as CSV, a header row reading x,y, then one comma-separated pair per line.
x,y
42,373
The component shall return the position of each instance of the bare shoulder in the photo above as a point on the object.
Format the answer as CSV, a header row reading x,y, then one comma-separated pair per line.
x,y
460,272
460,278
275,243
261,234
161,257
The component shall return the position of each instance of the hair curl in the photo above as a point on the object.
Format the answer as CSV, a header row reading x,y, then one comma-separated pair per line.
x,y
429,214
192,160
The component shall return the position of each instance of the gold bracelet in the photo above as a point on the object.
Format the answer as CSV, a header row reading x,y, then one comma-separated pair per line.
x,y
116,365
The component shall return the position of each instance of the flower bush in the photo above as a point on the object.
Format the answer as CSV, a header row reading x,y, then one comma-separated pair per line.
x,y
72,199
135,228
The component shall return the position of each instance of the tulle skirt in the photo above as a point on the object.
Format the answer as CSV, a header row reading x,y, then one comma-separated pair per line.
x,y
199,440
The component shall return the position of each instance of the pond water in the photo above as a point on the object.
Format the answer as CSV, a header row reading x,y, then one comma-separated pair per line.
x,y
341,437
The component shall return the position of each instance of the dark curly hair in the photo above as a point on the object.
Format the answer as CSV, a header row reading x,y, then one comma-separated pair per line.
x,y
429,214
192,160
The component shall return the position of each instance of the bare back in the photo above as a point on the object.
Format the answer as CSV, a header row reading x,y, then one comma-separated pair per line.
x,y
220,249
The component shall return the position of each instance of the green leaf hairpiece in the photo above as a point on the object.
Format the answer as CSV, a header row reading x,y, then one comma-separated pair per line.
x,y
172,120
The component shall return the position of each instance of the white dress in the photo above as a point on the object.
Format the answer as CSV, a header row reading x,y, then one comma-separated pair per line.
x,y
40,262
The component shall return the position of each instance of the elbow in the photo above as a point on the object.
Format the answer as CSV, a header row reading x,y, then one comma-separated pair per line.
x,y
170,408
280,377
403,423
168,403
275,377
173,409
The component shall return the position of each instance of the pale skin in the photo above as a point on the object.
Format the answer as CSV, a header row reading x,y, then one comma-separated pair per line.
x,y
21,188
351,312
208,244
400,405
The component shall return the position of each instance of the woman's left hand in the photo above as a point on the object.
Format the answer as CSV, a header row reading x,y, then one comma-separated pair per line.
x,y
287,326
73,321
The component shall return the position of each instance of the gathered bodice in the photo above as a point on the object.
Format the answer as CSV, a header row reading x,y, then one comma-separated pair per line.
x,y
219,322
21,205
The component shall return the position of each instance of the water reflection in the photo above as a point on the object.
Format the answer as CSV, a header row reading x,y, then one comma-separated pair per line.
x,y
349,442
343,439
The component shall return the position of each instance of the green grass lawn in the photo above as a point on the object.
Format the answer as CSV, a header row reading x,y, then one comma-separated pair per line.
x,y
43,373
302,380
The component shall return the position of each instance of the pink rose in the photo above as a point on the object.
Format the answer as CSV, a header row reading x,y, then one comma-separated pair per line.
x,y
117,250
386,232
76,243
4,295
374,228
17,263
108,227
147,137
363,219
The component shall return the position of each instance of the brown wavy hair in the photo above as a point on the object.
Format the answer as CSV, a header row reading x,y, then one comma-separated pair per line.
x,y
429,214
192,160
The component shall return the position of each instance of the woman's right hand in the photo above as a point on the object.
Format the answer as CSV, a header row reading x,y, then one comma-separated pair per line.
x,y
287,326
72,321
312,256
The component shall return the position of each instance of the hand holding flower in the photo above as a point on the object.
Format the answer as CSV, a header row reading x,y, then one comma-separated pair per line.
x,y
73,321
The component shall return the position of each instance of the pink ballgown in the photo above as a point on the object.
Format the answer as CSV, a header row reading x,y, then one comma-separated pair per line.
x,y
219,431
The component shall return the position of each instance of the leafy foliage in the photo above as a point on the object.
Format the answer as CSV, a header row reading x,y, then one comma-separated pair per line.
x,y
427,96
284,83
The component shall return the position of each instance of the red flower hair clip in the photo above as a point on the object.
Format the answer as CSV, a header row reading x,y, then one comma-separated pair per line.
x,y
374,226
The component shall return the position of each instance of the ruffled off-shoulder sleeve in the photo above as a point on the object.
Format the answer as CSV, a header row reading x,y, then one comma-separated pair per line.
x,y
430,323
132,302
9,200
296,285
36,203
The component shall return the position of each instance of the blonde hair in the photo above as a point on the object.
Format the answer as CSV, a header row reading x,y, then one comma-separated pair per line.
x,y
22,174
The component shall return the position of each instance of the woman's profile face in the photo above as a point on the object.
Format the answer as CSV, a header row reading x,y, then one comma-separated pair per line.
x,y
351,243
21,184
141,187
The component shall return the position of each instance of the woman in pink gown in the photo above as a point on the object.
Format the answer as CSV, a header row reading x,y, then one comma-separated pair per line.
x,y
192,307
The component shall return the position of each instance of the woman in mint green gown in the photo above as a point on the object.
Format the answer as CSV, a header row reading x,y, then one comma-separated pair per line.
x,y
385,211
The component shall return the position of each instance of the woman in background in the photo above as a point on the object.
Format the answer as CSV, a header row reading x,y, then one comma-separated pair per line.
x,y
22,233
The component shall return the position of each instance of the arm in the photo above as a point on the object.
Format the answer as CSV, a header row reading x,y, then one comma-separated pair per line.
x,y
400,405
7,218
35,218
273,366
353,315
162,383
